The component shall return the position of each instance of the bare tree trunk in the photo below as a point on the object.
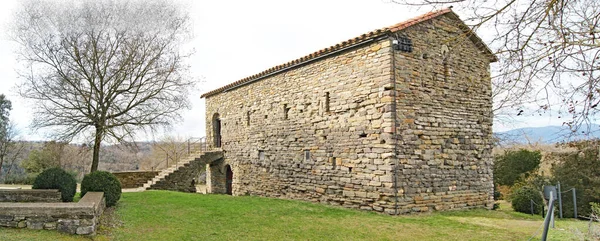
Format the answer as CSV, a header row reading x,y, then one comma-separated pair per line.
x,y
96,154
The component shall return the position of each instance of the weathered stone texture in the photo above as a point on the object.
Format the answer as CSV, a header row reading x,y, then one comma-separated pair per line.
x,y
341,110
75,218
134,179
444,120
30,195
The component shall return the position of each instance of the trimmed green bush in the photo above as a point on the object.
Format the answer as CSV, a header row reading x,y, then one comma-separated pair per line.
x,y
521,199
56,178
100,181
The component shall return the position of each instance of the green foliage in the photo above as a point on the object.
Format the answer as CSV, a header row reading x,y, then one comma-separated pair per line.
x,y
56,178
521,199
579,170
515,165
101,181
595,208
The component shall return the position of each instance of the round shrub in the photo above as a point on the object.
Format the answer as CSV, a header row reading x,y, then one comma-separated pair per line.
x,y
56,178
100,181
521,199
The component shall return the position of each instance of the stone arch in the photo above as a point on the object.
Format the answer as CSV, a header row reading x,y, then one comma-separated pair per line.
x,y
216,122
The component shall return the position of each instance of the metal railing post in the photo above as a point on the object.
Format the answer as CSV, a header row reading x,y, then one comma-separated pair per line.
x,y
548,217
531,203
574,203
559,201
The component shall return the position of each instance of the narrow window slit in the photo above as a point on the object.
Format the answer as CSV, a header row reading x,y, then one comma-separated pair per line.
x,y
248,118
286,111
327,102
333,162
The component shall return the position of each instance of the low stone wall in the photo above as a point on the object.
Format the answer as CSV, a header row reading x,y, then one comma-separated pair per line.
x,y
134,179
74,218
30,195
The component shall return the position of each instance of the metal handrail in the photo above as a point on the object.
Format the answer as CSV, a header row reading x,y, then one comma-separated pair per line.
x,y
192,144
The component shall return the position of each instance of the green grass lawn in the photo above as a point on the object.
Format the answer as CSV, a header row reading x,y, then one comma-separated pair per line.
x,y
162,215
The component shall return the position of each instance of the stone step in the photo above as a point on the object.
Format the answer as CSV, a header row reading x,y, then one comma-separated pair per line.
x,y
185,162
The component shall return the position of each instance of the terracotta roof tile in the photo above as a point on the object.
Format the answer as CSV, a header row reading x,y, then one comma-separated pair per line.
x,y
359,39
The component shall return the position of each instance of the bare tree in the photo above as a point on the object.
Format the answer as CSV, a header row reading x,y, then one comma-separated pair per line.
x,y
169,150
548,51
103,69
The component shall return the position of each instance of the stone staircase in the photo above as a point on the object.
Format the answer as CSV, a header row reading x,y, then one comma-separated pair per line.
x,y
179,176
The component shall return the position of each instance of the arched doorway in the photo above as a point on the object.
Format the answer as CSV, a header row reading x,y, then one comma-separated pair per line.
x,y
216,130
229,180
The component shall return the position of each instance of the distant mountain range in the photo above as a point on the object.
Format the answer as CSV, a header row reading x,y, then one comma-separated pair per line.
x,y
547,134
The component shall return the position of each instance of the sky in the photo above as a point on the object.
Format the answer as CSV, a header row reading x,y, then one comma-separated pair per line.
x,y
235,39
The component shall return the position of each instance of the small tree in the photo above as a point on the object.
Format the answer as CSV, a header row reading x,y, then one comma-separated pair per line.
x,y
48,157
103,69
513,165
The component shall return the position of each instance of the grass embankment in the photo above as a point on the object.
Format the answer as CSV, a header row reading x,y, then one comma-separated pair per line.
x,y
161,215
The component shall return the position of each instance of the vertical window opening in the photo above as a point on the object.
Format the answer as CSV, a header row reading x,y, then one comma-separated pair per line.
x,y
306,155
333,162
248,118
286,111
216,121
261,155
327,109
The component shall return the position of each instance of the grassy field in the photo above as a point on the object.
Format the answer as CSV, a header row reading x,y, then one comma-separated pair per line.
x,y
161,215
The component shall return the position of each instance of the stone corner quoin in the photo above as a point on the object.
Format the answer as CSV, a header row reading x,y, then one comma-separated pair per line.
x,y
393,128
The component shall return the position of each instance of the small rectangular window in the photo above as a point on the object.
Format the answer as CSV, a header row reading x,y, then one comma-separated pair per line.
x,y
333,162
306,155
261,155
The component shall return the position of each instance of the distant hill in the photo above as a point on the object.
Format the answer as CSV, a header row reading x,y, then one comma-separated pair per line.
x,y
547,134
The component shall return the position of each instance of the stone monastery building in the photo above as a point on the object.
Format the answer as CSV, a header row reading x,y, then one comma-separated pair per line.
x,y
396,120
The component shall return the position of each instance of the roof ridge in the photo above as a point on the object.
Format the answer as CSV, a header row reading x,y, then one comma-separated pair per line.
x,y
320,53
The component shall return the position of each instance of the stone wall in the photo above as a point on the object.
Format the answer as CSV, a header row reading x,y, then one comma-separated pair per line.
x,y
444,120
330,110
74,218
134,179
325,131
30,195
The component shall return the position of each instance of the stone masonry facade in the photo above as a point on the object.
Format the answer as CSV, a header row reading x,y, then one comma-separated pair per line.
x,y
366,124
